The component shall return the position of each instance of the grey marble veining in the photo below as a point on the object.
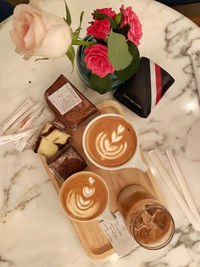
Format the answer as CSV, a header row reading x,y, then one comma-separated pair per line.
x,y
33,230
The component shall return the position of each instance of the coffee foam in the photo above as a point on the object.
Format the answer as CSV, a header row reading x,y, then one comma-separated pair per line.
x,y
79,207
85,196
114,138
111,149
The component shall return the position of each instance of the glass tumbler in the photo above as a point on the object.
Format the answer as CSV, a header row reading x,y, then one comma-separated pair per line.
x,y
146,218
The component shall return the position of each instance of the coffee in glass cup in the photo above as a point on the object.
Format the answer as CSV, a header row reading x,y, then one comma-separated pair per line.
x,y
84,197
147,220
110,142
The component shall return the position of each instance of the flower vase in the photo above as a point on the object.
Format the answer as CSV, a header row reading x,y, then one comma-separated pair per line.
x,y
85,72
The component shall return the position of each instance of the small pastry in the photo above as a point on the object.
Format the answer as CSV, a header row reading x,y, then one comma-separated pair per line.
x,y
51,140
66,163
45,147
55,135
68,104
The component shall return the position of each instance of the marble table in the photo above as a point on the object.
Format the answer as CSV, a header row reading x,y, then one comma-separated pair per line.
x,y
33,230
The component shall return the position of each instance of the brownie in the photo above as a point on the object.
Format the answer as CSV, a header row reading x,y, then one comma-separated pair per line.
x,y
68,162
68,104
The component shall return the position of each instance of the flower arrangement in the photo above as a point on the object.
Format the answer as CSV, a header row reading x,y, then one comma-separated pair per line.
x,y
38,33
113,50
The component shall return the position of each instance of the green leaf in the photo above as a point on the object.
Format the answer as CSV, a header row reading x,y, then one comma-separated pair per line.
x,y
77,31
102,16
124,30
44,58
68,15
71,56
118,18
101,85
81,42
118,53
128,72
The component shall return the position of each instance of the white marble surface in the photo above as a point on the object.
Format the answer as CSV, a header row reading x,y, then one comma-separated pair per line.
x,y
33,230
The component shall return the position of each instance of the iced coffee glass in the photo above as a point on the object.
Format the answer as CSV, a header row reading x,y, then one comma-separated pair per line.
x,y
147,220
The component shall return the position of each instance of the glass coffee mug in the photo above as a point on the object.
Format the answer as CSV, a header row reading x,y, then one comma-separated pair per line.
x,y
84,197
110,142
147,220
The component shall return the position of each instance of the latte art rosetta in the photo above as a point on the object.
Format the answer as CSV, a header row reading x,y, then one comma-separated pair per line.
x,y
87,192
110,141
82,205
85,197
111,149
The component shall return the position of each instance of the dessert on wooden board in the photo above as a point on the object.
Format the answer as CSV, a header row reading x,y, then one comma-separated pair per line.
x,y
72,109
50,140
68,104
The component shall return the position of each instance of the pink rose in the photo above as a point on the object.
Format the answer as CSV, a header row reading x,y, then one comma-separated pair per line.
x,y
135,32
96,60
99,29
39,33
107,11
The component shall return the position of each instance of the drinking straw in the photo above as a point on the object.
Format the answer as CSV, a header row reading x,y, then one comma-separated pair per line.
x,y
16,115
167,179
36,118
183,185
13,137
20,124
196,74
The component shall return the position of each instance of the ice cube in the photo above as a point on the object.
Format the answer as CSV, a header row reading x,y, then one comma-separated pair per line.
x,y
139,222
161,219
142,234
147,219
151,210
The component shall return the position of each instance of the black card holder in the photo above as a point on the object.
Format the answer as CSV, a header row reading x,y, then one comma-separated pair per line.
x,y
145,88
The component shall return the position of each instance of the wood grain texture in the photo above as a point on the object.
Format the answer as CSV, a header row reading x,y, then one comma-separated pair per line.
x,y
190,10
91,236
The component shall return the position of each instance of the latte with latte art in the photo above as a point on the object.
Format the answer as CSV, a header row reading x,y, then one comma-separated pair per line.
x,y
84,196
110,141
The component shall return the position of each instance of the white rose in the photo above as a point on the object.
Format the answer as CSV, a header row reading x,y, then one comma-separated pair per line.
x,y
39,33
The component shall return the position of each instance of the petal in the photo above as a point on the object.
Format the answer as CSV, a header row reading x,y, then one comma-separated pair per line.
x,y
28,27
36,32
51,20
56,42
23,8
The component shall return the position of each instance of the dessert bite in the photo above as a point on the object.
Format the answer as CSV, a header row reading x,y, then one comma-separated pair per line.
x,y
68,104
50,140
66,163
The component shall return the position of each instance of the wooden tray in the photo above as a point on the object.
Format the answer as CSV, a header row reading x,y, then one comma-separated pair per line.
x,y
93,240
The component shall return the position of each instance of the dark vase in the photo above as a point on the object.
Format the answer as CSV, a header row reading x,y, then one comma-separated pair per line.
x,y
84,71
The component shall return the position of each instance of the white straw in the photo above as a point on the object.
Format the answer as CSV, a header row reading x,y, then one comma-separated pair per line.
x,y
23,120
15,116
36,122
13,137
183,185
196,74
158,165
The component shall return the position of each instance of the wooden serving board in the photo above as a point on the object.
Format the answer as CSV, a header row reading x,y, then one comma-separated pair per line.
x,y
90,234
